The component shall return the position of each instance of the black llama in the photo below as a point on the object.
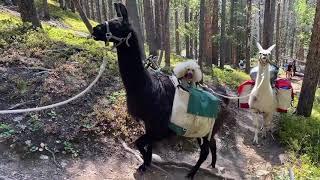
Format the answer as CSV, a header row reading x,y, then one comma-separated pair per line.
x,y
149,95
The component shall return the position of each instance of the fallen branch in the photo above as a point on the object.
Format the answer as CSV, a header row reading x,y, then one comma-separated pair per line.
x,y
53,157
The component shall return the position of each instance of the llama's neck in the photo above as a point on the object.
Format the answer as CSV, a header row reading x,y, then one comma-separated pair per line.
x,y
133,73
264,76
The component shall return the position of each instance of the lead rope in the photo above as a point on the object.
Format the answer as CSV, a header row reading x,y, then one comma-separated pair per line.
x,y
102,68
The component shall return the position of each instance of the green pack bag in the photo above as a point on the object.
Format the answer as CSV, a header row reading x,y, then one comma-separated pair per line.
x,y
202,103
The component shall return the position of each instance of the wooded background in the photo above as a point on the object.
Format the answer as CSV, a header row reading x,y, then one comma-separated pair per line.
x,y
214,32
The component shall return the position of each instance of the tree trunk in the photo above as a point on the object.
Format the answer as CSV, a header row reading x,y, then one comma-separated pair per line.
x,y
167,33
135,20
215,32
46,14
92,10
187,37
231,33
62,4
312,72
104,10
207,52
278,34
268,24
110,6
283,28
28,12
176,19
300,53
86,8
98,9
73,8
223,33
157,21
150,27
201,33
191,38
83,15
248,35
260,23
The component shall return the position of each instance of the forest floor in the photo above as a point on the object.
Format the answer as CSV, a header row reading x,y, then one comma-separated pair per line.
x,y
89,128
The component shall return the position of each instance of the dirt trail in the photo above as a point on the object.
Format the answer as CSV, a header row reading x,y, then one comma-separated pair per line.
x,y
237,158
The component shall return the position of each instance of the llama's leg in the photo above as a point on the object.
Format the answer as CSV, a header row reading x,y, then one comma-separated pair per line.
x,y
141,143
257,128
148,155
203,156
267,120
213,148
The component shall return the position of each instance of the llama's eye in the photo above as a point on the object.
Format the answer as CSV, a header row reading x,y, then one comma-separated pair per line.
x,y
188,69
192,70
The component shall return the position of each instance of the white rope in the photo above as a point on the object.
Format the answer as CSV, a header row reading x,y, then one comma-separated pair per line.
x,y
235,97
102,68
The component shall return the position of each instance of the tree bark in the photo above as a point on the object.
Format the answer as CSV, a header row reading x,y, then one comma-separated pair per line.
x,y
207,53
110,6
167,33
268,24
215,32
104,10
312,72
191,37
134,17
86,8
157,21
231,33
83,15
201,33
278,35
248,35
187,37
150,26
73,8
93,16
28,12
223,33
176,19
98,9
46,14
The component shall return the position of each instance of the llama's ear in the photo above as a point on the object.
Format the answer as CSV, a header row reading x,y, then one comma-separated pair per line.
x,y
124,12
117,8
271,48
259,46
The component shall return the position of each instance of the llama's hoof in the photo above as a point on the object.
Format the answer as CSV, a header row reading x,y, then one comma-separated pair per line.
x,y
190,175
142,168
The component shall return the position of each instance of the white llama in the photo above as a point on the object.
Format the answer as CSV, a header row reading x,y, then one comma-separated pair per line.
x,y
262,98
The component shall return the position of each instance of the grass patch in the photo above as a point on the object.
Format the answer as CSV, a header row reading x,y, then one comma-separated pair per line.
x,y
302,137
230,77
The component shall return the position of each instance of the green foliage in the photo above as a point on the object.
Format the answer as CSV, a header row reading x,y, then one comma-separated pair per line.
x,y
303,168
305,15
6,131
232,78
68,18
69,148
302,136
